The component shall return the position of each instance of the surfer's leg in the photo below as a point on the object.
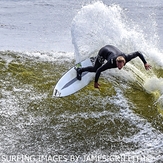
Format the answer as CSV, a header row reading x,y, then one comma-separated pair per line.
x,y
89,69
79,73
92,68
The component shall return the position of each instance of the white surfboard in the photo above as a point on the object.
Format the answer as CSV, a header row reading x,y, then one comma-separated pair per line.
x,y
69,84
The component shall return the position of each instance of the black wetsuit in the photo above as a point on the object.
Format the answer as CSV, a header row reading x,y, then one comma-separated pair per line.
x,y
110,53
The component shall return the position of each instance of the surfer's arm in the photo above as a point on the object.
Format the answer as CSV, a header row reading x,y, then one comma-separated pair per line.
x,y
96,85
98,72
140,55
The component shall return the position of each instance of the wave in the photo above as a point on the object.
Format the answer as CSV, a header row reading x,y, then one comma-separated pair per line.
x,y
97,24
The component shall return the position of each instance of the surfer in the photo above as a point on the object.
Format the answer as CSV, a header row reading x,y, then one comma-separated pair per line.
x,y
114,59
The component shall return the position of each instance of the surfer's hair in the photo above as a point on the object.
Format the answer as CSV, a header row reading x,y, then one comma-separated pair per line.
x,y
121,59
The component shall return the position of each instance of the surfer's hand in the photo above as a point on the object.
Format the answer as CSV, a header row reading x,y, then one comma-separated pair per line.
x,y
147,66
96,85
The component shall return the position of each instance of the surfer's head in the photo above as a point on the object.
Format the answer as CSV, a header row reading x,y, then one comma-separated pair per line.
x,y
120,61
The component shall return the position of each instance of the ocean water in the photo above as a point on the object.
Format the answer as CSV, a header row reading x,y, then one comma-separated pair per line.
x,y
40,41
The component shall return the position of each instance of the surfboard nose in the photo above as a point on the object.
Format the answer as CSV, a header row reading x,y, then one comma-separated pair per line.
x,y
56,93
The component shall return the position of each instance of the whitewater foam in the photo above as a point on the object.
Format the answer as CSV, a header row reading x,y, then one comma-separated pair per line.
x,y
93,27
109,25
51,56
